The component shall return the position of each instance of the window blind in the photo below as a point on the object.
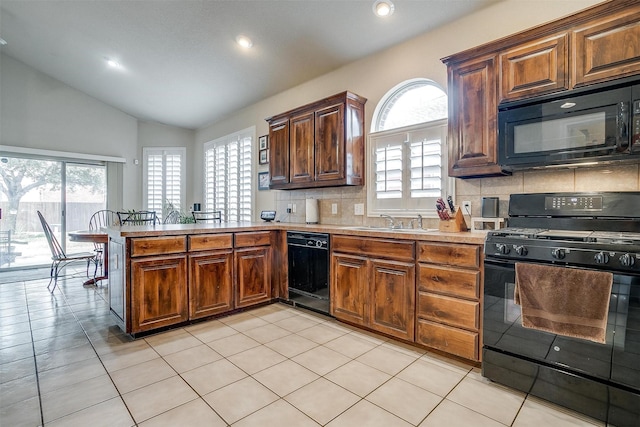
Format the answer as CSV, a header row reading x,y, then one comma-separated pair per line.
x,y
228,176
164,179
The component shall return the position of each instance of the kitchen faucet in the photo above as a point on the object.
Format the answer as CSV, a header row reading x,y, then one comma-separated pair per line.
x,y
417,221
392,221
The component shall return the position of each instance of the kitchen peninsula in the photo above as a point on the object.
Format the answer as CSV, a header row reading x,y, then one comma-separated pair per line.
x,y
168,275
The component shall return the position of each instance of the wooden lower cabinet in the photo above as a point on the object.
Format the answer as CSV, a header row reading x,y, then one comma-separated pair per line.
x,y
158,292
448,310
349,285
210,283
253,276
451,340
392,309
371,291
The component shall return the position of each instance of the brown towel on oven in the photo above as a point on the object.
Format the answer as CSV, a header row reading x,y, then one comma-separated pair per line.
x,y
564,301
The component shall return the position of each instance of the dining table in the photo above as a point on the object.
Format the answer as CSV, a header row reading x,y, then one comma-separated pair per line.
x,y
94,236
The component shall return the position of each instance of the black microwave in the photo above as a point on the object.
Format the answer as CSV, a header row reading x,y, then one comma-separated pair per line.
x,y
589,126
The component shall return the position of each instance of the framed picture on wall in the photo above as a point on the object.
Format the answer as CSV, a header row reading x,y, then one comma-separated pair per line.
x,y
263,180
264,157
263,142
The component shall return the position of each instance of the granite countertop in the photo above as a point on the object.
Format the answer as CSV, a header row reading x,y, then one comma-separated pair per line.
x,y
434,235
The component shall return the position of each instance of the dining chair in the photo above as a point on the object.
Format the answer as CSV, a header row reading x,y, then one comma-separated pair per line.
x,y
138,218
210,216
101,219
60,259
172,217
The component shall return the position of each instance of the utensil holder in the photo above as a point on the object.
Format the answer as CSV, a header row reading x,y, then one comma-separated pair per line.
x,y
455,224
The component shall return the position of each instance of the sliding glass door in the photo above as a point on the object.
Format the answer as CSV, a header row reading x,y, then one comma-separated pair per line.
x,y
67,193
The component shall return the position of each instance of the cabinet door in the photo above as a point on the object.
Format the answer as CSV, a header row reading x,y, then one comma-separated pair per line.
x,y
279,153
536,68
301,148
117,301
159,292
349,284
392,309
472,118
210,283
607,48
253,276
329,143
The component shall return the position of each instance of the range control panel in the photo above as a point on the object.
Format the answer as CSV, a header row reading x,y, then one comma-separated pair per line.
x,y
573,203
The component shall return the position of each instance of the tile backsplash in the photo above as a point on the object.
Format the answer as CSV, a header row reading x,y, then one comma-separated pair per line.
x,y
606,178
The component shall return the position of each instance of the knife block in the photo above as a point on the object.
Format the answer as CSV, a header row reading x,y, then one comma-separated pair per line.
x,y
455,224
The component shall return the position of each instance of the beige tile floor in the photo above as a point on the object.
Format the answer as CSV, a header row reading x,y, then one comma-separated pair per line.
x,y
62,363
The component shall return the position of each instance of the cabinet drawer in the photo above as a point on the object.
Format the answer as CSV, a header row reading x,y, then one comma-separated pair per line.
x,y
450,281
452,340
254,238
204,242
450,254
158,245
394,249
452,311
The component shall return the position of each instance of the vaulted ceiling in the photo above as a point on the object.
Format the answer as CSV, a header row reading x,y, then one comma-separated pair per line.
x,y
180,64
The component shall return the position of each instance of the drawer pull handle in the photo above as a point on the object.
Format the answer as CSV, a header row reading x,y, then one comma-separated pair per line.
x,y
435,278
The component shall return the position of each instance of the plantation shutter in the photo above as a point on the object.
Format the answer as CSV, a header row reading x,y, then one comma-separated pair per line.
x,y
163,181
228,176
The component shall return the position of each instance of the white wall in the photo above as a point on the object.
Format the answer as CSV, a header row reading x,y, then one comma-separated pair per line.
x,y
373,76
40,112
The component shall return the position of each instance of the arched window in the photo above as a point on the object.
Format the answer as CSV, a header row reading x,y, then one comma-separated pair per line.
x,y
409,103
407,156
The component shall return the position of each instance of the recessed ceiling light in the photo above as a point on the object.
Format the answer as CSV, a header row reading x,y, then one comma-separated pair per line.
x,y
383,8
244,41
114,64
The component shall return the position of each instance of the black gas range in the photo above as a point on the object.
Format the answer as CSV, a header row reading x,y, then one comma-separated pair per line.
x,y
599,230
580,231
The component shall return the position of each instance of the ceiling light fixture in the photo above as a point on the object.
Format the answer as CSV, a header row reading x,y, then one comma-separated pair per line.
x,y
383,8
3,42
114,64
244,41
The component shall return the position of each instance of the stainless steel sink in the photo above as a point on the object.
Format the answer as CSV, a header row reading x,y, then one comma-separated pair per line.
x,y
393,230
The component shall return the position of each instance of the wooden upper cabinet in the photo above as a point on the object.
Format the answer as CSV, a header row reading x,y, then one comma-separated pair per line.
x,y
535,68
321,144
302,168
595,45
607,48
279,152
329,143
472,118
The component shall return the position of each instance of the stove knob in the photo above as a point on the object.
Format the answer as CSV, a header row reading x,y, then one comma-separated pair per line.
x,y
522,250
627,260
601,258
558,253
502,248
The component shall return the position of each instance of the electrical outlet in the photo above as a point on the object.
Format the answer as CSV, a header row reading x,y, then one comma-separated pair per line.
x,y
334,209
466,207
359,209
289,208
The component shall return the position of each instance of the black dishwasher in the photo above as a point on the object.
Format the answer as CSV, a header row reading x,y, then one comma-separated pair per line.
x,y
309,270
